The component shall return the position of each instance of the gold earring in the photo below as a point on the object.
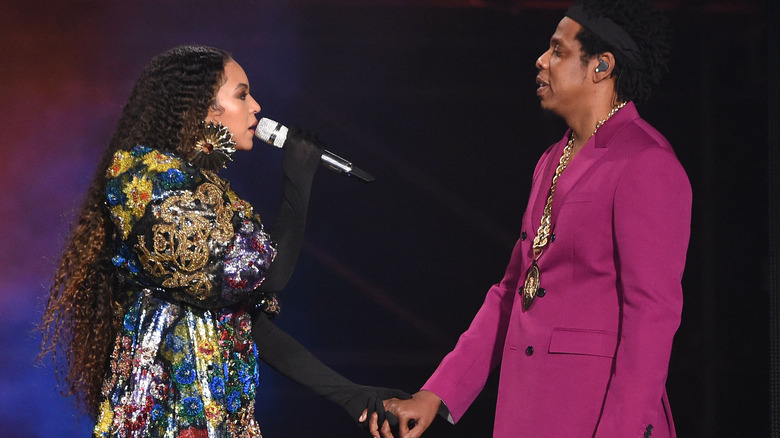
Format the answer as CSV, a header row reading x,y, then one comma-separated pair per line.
x,y
213,146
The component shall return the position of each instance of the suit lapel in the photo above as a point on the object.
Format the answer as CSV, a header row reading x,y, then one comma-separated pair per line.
x,y
591,153
579,166
540,189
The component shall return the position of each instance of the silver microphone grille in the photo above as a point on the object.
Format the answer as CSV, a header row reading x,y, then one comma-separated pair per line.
x,y
271,132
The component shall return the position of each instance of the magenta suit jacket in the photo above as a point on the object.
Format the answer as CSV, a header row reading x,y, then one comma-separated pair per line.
x,y
590,357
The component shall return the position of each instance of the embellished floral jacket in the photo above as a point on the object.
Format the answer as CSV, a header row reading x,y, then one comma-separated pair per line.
x,y
192,255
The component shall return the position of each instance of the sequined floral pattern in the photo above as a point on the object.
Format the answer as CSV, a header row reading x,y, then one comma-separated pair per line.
x,y
176,370
185,230
136,178
193,255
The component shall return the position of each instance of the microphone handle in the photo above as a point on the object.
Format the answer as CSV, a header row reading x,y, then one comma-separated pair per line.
x,y
275,134
340,165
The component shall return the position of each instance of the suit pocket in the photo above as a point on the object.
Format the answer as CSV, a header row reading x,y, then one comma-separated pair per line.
x,y
579,198
582,341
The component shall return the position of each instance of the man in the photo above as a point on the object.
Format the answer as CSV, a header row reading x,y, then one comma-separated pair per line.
x,y
582,323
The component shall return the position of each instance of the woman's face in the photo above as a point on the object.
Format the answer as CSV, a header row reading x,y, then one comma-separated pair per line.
x,y
235,108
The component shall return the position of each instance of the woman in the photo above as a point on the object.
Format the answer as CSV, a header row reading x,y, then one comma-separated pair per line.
x,y
152,304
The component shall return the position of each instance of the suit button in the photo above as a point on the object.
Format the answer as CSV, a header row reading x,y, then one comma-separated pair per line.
x,y
540,293
523,235
529,351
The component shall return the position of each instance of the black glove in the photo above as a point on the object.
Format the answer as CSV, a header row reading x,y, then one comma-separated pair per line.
x,y
355,398
299,163
287,356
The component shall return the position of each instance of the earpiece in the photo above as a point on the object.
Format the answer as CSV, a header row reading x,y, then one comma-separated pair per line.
x,y
603,65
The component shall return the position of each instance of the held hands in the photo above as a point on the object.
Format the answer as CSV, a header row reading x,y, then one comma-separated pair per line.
x,y
287,356
361,401
414,415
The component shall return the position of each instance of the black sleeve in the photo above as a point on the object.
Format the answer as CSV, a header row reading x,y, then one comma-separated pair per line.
x,y
287,356
301,157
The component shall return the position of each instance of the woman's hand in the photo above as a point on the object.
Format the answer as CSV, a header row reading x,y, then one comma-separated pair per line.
x,y
414,415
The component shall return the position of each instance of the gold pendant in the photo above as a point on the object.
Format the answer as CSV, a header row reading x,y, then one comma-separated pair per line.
x,y
531,285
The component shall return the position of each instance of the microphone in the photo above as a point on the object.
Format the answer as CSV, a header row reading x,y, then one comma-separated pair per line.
x,y
275,134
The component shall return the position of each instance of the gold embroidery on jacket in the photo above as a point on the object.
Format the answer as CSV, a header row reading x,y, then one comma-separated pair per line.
x,y
238,205
189,225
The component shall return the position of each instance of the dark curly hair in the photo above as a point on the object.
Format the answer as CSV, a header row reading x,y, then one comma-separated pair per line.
x,y
82,315
650,31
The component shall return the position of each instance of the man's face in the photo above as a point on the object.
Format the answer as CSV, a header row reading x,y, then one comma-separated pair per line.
x,y
563,79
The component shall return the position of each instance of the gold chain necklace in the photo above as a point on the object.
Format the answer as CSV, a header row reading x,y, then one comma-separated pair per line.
x,y
542,238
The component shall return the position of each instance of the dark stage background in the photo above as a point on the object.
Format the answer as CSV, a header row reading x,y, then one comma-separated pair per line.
x,y
437,99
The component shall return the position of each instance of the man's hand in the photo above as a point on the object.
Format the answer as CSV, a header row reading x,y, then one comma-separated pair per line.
x,y
414,415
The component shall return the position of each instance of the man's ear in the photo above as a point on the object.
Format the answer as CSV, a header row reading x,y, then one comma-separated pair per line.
x,y
603,65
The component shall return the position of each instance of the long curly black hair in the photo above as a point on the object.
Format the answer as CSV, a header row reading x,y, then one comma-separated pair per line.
x,y
648,28
165,107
